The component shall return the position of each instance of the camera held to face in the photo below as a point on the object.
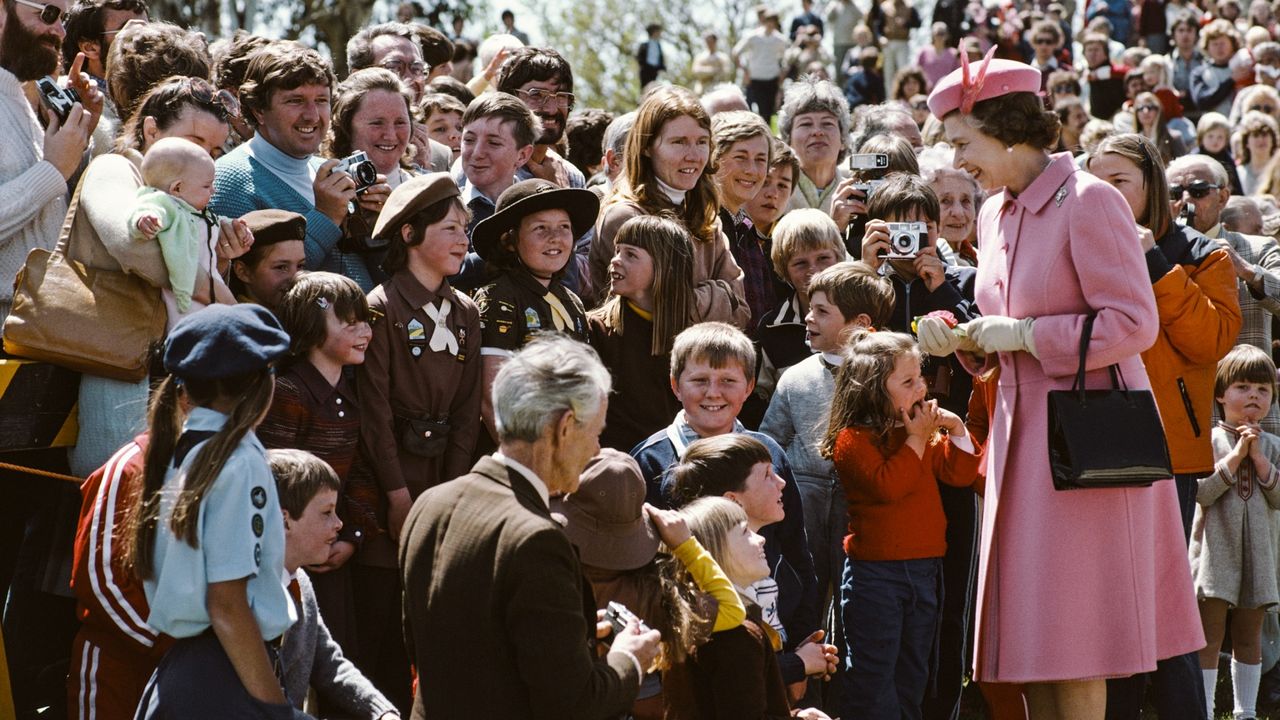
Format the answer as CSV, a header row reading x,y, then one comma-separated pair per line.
x,y
360,168
906,239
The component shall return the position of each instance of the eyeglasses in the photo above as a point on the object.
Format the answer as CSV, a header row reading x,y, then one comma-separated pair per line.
x,y
1148,108
135,21
1044,41
539,98
1264,109
1063,88
49,14
1197,189
400,67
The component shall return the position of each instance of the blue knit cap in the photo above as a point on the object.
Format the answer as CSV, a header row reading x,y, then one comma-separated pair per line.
x,y
224,341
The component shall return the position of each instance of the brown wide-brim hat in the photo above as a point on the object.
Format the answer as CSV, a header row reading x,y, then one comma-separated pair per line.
x,y
410,197
605,515
525,198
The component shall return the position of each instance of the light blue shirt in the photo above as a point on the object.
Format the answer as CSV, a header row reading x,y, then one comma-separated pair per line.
x,y
241,534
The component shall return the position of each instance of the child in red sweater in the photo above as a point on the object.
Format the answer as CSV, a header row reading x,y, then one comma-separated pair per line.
x,y
885,441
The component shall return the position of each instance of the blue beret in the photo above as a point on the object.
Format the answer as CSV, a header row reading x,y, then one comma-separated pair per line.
x,y
224,341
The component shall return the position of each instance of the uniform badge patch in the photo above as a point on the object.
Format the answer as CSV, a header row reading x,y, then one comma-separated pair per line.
x,y
258,496
531,319
417,337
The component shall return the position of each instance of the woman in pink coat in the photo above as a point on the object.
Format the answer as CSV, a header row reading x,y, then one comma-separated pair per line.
x,y
1077,586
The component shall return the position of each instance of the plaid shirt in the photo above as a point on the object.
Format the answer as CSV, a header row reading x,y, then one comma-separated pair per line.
x,y
751,251
1257,308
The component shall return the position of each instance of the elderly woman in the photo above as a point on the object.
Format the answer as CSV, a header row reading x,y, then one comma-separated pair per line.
x,y
1099,575
371,114
959,197
667,171
814,121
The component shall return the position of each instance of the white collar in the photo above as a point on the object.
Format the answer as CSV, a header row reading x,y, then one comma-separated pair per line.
x,y
835,359
674,195
529,475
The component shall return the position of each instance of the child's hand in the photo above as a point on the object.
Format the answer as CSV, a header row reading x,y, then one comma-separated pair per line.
x,y
149,225
951,422
670,525
1260,461
875,240
921,420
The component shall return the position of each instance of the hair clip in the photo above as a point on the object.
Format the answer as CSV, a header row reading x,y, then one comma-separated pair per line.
x,y
323,302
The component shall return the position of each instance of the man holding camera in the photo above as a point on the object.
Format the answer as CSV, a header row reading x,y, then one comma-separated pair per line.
x,y
286,97
1198,190
497,621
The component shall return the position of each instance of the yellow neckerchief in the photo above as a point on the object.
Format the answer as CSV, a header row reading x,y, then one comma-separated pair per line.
x,y
639,311
559,313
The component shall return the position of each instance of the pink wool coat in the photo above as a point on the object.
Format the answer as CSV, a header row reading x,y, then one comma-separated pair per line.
x,y
1086,583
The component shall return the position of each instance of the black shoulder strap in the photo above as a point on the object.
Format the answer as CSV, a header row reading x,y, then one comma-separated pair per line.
x,y
187,441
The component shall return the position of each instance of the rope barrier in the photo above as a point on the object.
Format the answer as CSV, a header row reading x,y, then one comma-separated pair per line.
x,y
41,473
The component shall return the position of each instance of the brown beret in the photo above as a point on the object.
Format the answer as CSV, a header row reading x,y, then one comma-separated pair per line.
x,y
271,226
412,196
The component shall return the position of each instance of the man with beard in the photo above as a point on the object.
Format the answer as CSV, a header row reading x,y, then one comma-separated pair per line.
x,y
36,163
542,79
394,46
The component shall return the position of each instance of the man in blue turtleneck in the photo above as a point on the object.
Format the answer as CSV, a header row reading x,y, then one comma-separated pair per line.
x,y
286,95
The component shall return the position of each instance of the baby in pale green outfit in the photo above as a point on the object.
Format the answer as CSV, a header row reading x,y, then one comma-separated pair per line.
x,y
178,177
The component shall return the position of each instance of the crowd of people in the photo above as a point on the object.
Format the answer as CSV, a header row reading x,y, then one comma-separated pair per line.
x,y
425,392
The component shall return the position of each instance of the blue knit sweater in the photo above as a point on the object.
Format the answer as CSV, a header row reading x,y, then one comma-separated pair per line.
x,y
243,184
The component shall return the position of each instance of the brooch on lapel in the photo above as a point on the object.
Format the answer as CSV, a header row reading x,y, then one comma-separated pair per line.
x,y
1059,196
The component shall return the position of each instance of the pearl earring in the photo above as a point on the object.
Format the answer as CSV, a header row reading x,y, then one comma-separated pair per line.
x,y
1009,149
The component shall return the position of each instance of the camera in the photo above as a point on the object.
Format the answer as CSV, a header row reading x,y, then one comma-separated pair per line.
x,y
869,161
360,168
906,239
868,187
619,617
58,100
1187,218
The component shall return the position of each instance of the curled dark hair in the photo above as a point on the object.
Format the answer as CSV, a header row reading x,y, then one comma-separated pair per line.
x,y
302,312
146,53
585,131
1017,118
398,250
231,59
165,102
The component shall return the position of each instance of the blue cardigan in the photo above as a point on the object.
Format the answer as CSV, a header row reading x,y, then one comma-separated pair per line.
x,y
242,184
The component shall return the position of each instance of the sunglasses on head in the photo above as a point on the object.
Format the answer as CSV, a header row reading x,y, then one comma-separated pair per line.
x,y
1197,189
1148,108
49,14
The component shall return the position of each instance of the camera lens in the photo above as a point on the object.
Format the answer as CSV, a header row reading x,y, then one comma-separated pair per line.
x,y
365,173
903,242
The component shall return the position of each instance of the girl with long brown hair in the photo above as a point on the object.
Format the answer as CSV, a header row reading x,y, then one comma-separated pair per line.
x,y
208,535
667,172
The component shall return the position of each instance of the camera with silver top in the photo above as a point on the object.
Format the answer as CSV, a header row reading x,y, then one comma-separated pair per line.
x,y
619,617
360,168
869,161
868,187
58,100
906,239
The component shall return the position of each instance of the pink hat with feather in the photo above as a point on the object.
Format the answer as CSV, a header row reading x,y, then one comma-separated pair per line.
x,y
961,88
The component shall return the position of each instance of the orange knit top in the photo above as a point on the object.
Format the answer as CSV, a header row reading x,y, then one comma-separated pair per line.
x,y
895,512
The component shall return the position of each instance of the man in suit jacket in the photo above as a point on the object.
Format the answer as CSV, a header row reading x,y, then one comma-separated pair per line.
x,y
497,620
649,55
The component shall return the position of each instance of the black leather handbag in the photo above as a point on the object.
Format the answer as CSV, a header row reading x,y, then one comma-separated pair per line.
x,y
1105,438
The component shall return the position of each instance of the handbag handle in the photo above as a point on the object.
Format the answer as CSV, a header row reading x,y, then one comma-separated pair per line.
x,y
1117,378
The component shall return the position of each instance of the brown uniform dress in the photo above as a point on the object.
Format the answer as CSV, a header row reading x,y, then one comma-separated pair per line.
x,y
403,378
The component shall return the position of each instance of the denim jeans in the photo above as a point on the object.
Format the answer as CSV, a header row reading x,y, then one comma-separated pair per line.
x,y
890,611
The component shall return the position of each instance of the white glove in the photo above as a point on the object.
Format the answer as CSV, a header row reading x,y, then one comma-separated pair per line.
x,y
996,333
936,337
